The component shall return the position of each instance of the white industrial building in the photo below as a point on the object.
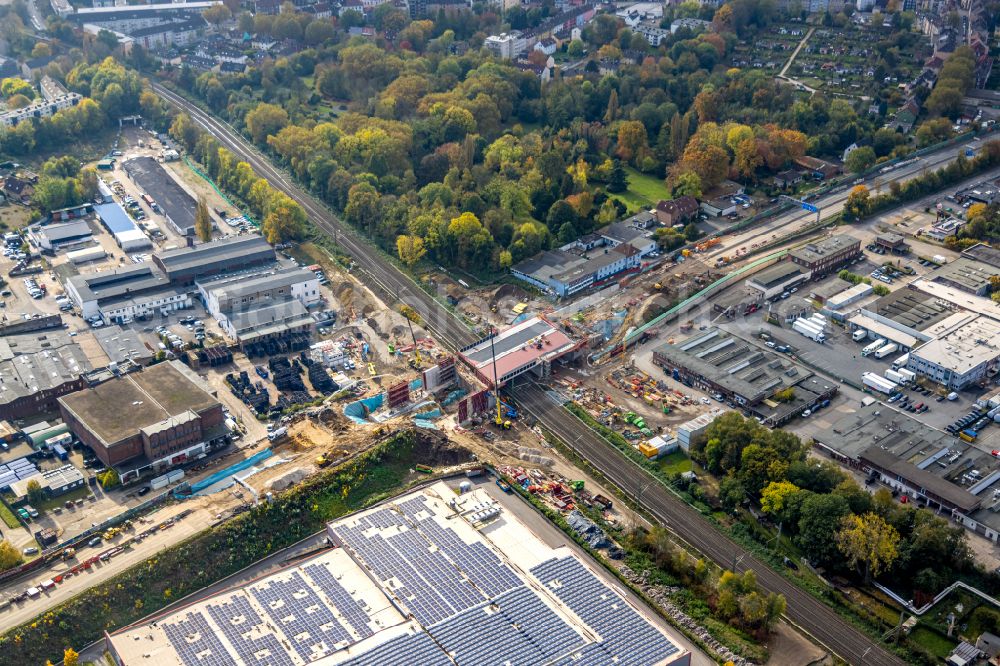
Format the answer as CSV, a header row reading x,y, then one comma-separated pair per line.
x,y
841,300
247,290
961,357
262,304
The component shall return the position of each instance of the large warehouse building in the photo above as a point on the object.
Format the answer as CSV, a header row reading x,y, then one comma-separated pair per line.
x,y
952,477
166,284
744,374
177,205
530,346
36,369
416,582
161,417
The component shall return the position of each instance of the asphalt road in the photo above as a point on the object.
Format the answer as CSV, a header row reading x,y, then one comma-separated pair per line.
x,y
794,220
803,610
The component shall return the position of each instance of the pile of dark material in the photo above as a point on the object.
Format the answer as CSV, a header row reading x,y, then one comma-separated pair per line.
x,y
254,395
291,399
321,381
290,343
286,376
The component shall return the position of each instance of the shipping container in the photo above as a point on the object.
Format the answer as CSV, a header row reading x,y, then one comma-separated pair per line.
x,y
175,476
859,335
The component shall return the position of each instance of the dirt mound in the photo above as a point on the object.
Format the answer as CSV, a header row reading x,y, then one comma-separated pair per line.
x,y
344,291
436,449
652,308
509,291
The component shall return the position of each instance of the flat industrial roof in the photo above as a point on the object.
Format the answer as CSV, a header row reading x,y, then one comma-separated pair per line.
x,y
849,295
965,347
118,282
897,442
518,347
978,304
777,274
270,318
38,362
817,251
115,218
910,308
970,273
252,284
155,181
122,344
984,253
883,330
415,581
140,399
226,253
734,363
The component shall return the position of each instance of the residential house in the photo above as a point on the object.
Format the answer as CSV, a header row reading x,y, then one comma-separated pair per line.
x,y
677,211
788,178
548,46
819,169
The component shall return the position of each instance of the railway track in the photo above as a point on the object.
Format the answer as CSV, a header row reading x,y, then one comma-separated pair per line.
x,y
803,610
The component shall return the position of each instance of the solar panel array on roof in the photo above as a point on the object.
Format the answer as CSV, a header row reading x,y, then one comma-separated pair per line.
x,y
195,642
351,609
515,628
626,637
16,470
237,619
439,575
302,616
415,648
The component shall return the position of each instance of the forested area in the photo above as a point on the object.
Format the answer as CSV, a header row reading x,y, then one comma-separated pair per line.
x,y
468,161
837,524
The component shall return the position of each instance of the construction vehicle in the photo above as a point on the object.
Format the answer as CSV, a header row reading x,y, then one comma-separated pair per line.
x,y
69,553
322,460
371,369
277,434
658,286
416,347
509,411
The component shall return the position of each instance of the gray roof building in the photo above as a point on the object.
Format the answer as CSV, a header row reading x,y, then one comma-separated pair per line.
x,y
723,362
122,344
35,369
827,253
969,275
186,264
127,281
983,253
948,473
